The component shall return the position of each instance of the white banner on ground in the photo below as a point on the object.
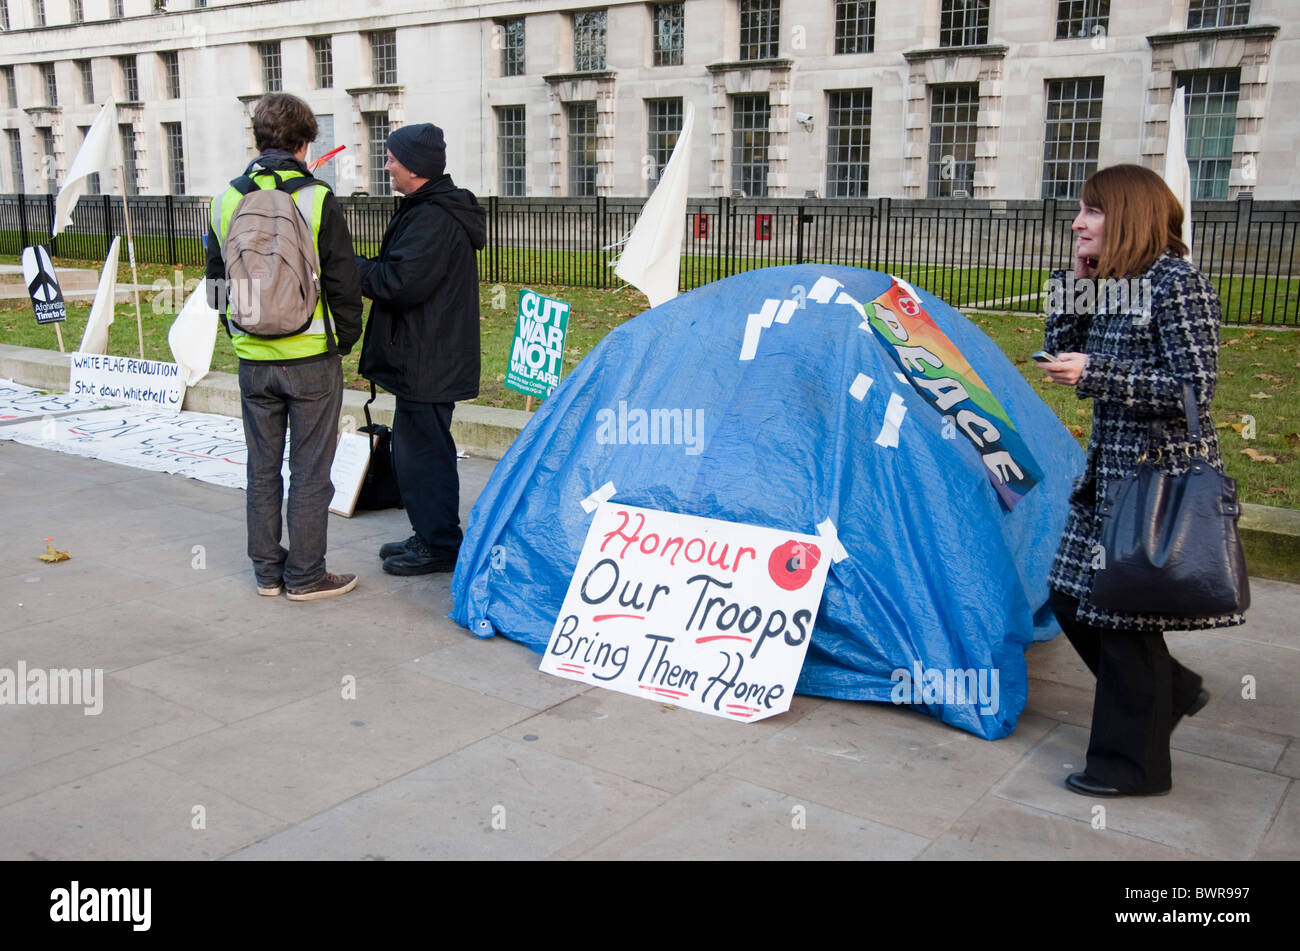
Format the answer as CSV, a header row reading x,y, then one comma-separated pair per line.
x,y
112,379
708,615
198,445
25,402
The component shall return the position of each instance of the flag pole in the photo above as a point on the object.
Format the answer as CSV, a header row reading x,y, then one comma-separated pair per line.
x,y
59,333
130,252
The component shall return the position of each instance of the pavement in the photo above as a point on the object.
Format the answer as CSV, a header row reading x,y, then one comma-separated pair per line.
x,y
372,727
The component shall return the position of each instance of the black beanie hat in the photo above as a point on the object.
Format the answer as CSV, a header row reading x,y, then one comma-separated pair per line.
x,y
421,148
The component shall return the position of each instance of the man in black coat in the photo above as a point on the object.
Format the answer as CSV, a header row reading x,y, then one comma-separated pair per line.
x,y
422,339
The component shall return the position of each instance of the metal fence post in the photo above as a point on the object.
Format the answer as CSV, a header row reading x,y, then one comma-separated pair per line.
x,y
173,258
107,205
54,242
22,220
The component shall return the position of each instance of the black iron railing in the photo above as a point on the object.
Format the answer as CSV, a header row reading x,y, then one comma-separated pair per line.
x,y
977,254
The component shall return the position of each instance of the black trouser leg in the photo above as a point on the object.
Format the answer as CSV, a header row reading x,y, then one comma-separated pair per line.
x,y
424,462
1139,686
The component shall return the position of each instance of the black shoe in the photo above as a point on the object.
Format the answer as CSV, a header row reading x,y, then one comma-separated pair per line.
x,y
419,560
1085,785
397,548
1196,707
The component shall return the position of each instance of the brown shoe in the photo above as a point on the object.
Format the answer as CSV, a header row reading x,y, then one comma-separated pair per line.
x,y
330,586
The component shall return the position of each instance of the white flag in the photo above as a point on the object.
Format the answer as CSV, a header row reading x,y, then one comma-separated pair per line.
x,y
95,156
193,336
651,258
95,339
1177,175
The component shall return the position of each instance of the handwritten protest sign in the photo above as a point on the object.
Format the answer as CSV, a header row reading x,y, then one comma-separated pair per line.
x,y
127,380
709,615
351,460
25,402
538,350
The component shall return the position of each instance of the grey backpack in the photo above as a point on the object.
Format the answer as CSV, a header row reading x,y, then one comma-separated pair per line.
x,y
272,268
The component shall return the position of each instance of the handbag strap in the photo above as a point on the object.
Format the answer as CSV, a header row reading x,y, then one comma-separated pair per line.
x,y
368,402
1190,411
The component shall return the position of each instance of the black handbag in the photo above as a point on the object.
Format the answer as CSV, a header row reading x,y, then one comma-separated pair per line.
x,y
379,490
1170,542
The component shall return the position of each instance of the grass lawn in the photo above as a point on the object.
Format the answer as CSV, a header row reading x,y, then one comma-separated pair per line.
x,y
1256,406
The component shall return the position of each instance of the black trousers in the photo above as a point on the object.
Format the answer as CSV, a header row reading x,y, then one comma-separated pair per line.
x,y
1140,689
424,462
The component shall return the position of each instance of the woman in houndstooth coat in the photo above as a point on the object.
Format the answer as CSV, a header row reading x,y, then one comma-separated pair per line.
x,y
1132,324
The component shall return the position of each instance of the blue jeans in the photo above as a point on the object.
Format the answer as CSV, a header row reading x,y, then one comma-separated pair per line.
x,y
305,398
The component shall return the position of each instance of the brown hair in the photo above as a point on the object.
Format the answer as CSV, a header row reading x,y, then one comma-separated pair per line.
x,y
1143,218
282,121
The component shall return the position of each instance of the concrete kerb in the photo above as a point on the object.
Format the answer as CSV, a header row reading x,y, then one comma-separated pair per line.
x,y
1271,536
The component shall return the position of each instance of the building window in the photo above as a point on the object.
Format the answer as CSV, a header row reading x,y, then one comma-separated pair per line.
x,y
760,26
16,158
92,180
1073,135
171,62
964,22
848,143
79,16
38,12
51,87
383,57
582,149
272,78
175,157
1203,14
1211,114
46,135
749,120
664,125
512,47
512,153
4,14
953,113
87,80
1076,18
377,129
130,79
322,51
127,134
11,88
855,26
589,41
670,33
118,13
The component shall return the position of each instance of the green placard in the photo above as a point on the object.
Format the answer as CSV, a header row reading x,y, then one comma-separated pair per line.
x,y
537,355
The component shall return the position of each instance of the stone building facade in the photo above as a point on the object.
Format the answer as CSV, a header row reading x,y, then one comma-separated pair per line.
x,y
1003,99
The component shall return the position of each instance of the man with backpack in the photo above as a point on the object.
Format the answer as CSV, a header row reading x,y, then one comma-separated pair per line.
x,y
282,275
422,339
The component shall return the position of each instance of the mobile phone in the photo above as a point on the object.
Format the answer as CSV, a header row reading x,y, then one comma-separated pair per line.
x,y
1042,356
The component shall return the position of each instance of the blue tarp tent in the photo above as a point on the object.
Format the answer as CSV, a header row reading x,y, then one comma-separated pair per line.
x,y
768,398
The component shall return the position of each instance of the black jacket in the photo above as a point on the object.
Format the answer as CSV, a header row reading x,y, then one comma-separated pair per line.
x,y
422,339
338,278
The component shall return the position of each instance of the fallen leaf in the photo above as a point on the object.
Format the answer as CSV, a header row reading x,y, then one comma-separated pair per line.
x,y
52,556
1024,330
1275,490
1256,456
1266,376
1228,373
1237,427
1292,439
1076,431
1260,396
1081,412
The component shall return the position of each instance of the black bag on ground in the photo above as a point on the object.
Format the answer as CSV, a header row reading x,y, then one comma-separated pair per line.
x,y
1170,541
379,490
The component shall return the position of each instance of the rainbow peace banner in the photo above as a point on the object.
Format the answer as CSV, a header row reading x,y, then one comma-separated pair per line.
x,y
950,384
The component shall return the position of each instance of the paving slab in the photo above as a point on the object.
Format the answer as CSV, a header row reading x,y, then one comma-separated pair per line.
x,y
308,756
1217,810
499,668
495,799
1283,840
725,816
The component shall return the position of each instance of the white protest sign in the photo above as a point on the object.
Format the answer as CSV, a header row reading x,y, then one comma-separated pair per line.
x,y
709,615
348,471
127,380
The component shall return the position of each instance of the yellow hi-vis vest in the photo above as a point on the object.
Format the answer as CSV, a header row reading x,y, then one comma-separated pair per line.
x,y
310,200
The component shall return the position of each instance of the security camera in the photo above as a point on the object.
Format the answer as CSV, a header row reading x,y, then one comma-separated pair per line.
x,y
803,117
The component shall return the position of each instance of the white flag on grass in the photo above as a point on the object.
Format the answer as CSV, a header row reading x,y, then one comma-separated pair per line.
x,y
94,156
193,336
651,258
1177,175
95,339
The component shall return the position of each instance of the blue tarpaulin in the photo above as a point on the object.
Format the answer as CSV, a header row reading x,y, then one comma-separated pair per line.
x,y
768,398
